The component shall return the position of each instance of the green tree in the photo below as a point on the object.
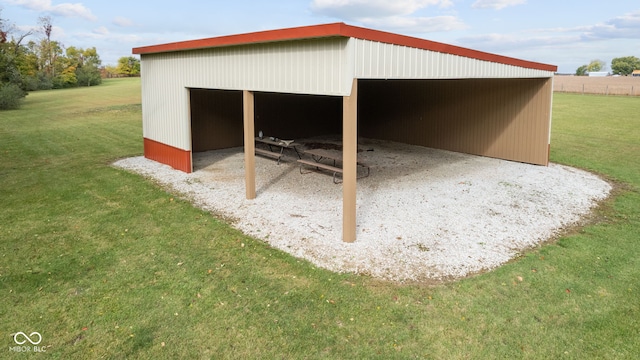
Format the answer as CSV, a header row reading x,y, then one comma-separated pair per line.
x,y
11,85
128,66
47,51
66,78
581,71
87,65
596,65
110,71
41,64
625,65
4,34
88,75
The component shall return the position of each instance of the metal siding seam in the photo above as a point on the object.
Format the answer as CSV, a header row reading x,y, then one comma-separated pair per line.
x,y
415,63
380,61
276,67
359,56
375,59
369,55
371,60
366,59
335,65
317,73
387,68
418,63
403,62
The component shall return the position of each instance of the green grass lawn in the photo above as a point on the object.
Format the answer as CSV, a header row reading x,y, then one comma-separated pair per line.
x,y
105,264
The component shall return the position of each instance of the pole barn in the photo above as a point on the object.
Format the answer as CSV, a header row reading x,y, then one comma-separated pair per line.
x,y
335,78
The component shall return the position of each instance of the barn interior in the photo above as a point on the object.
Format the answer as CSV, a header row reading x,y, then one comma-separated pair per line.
x,y
489,117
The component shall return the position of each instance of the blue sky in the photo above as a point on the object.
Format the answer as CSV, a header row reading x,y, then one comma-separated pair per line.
x,y
566,33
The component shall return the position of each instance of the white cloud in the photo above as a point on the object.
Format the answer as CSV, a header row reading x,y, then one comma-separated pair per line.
x,y
390,15
405,24
496,4
122,21
101,31
626,26
359,9
64,9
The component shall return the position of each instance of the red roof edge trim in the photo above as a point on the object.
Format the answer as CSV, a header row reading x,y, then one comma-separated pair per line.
x,y
297,33
342,30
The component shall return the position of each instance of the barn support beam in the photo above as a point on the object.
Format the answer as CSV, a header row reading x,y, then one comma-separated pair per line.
x,y
349,162
249,144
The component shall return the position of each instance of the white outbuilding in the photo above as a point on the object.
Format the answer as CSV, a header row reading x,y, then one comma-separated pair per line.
x,y
215,93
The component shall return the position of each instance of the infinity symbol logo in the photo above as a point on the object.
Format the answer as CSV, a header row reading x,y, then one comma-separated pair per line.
x,y
27,338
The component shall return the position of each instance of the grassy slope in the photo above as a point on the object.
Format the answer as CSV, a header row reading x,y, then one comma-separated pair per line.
x,y
104,263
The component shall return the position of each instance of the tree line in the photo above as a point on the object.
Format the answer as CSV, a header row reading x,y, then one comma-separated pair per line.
x,y
623,66
42,64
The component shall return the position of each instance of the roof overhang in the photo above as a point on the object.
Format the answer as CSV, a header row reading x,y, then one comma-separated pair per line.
x,y
337,30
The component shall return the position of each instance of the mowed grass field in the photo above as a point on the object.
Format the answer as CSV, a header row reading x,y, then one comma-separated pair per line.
x,y
106,264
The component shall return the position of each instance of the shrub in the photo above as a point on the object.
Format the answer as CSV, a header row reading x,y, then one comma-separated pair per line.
x,y
11,96
44,82
88,76
31,83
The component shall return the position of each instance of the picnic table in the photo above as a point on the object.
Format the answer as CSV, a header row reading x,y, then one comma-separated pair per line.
x,y
277,144
334,157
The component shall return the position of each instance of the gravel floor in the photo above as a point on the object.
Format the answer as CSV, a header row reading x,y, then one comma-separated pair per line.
x,y
421,214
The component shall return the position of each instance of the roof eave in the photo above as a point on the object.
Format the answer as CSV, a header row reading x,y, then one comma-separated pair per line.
x,y
298,33
338,30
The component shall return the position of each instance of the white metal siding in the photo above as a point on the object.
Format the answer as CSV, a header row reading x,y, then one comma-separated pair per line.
x,y
303,67
324,66
376,60
165,101
316,66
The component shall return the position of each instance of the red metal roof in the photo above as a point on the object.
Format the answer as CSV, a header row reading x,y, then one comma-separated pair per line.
x,y
338,30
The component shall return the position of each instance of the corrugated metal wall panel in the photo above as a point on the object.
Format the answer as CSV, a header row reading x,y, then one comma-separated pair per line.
x,y
502,118
376,60
165,104
316,66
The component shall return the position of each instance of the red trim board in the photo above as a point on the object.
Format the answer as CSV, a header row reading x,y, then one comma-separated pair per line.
x,y
176,158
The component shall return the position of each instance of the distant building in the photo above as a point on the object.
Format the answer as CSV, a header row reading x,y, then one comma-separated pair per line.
x,y
636,73
598,73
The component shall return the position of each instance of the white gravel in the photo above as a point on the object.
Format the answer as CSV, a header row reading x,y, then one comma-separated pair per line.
x,y
421,214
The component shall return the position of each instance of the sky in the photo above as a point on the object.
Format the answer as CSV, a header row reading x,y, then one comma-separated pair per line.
x,y
565,33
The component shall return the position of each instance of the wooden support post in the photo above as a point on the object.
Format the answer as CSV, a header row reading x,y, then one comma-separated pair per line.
x,y
249,144
349,162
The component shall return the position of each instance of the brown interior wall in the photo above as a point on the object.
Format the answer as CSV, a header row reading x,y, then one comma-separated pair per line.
x,y
502,118
216,119
289,116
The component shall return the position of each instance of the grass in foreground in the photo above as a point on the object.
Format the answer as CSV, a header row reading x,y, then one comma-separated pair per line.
x,y
103,263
